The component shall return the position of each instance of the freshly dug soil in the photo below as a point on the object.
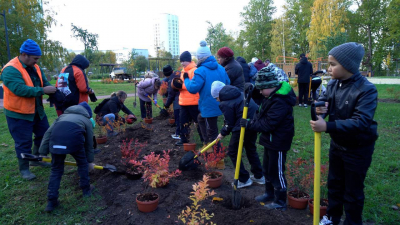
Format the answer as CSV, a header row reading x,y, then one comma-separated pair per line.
x,y
147,197
118,193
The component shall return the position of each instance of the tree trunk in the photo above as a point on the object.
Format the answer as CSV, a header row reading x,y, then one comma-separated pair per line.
x,y
369,48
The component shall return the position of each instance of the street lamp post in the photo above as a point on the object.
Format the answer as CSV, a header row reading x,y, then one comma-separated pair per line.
x,y
158,60
5,27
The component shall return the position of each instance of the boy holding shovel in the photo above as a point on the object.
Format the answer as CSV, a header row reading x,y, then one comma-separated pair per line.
x,y
274,119
350,101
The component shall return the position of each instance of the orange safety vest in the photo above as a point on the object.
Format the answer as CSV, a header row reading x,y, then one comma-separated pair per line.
x,y
18,104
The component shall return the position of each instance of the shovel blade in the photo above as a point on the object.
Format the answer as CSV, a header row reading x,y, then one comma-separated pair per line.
x,y
188,162
236,196
110,168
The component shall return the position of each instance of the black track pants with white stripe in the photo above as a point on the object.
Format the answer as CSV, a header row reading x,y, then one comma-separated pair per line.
x,y
274,168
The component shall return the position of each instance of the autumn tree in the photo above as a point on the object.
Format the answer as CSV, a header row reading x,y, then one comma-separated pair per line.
x,y
393,38
281,40
257,23
328,18
217,37
26,19
298,13
88,39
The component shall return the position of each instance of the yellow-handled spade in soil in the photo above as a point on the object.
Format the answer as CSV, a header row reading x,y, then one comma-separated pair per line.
x,y
317,164
188,160
31,157
162,111
236,196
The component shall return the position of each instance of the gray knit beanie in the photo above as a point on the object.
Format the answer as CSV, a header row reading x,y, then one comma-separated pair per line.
x,y
203,51
349,55
266,78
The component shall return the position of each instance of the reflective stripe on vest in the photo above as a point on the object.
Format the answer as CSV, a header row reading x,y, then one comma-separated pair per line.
x,y
18,104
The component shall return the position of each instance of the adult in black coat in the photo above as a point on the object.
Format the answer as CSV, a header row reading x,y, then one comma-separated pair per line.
x,y
303,71
232,67
246,69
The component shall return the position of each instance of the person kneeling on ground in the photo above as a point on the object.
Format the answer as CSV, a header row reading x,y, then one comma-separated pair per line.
x,y
231,104
107,112
275,121
74,125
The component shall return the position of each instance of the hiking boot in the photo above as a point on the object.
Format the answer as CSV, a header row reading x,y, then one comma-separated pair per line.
x,y
259,181
51,205
265,198
179,143
24,170
38,163
277,206
87,193
326,221
249,182
221,165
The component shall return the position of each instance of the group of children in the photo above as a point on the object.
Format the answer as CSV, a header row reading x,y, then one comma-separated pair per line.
x,y
351,101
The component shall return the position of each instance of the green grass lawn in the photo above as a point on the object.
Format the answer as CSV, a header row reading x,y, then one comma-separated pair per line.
x,y
23,202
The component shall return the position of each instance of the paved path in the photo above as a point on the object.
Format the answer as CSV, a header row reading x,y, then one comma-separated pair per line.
x,y
45,102
384,80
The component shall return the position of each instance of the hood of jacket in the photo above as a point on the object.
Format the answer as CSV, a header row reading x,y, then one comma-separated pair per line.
x,y
77,109
229,92
190,66
286,92
209,62
241,60
80,61
304,60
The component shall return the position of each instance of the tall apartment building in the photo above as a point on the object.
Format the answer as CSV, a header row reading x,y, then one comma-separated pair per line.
x,y
166,33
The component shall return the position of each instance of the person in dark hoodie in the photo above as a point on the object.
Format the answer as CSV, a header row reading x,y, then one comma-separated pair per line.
x,y
231,104
303,71
73,82
275,121
173,97
74,125
232,67
109,112
246,69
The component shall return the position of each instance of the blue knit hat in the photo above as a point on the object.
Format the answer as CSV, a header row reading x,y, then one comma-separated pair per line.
x,y
87,107
349,55
203,51
30,47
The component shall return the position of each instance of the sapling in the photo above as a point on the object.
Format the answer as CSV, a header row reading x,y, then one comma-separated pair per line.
x,y
194,215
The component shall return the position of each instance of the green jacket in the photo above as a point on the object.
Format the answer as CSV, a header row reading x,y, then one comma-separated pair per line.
x,y
13,80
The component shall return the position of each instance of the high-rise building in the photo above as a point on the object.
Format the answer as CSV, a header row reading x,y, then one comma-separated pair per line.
x,y
166,33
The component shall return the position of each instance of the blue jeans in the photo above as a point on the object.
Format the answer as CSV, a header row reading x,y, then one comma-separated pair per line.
x,y
57,170
21,131
109,120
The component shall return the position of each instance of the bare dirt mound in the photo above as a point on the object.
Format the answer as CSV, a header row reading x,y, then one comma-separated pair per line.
x,y
119,193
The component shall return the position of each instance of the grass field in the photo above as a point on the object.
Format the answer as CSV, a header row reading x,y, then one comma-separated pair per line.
x,y
23,202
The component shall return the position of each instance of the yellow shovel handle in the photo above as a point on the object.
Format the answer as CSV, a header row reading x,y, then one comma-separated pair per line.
x,y
70,163
207,147
317,175
241,139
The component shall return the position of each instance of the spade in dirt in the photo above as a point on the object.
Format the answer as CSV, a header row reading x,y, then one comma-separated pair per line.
x,y
163,112
236,196
190,162
31,157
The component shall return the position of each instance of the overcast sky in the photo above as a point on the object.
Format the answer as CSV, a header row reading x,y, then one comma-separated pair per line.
x,y
128,23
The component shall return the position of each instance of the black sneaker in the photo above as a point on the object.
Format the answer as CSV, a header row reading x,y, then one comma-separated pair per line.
x,y
88,193
179,143
265,198
51,205
96,151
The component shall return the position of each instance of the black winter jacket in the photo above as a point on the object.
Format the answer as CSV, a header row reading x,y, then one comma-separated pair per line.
x,y
173,95
246,69
231,105
114,106
351,109
235,73
303,70
274,119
